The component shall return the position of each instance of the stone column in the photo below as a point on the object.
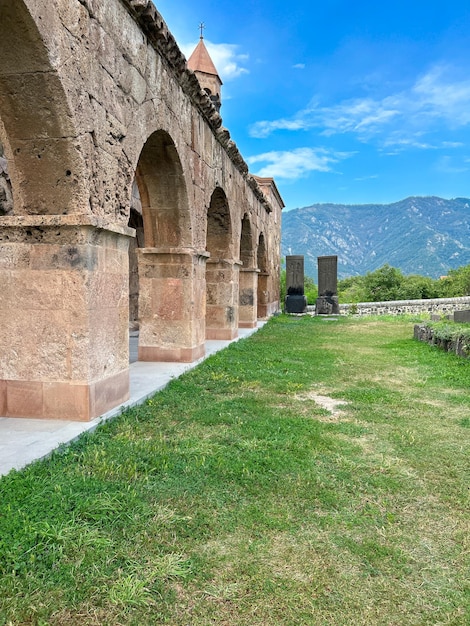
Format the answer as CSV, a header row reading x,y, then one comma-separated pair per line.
x,y
64,340
222,279
273,293
171,304
264,305
248,299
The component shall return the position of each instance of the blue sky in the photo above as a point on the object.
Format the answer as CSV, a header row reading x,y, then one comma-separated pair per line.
x,y
340,101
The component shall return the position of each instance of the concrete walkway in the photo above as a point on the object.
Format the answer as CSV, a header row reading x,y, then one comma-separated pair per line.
x,y
23,441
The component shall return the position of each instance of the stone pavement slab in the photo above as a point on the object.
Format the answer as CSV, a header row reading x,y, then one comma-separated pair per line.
x,y
23,441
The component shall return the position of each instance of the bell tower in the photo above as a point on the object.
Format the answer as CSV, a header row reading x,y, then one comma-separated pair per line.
x,y
201,64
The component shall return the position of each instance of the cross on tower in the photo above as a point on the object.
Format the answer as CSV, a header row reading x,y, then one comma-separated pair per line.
x,y
202,27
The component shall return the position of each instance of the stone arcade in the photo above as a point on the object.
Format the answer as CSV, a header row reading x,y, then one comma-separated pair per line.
x,y
100,113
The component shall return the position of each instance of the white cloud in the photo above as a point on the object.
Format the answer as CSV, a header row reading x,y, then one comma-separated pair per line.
x,y
402,139
453,144
363,117
296,163
299,66
357,116
447,165
227,60
440,97
261,130
435,99
363,178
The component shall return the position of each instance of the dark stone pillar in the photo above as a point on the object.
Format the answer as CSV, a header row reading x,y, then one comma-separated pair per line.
x,y
327,301
296,302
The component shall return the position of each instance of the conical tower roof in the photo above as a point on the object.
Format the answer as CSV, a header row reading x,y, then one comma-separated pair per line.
x,y
200,60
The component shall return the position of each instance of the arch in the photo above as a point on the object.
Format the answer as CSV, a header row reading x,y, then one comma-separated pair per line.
x,y
163,194
219,229
246,243
221,271
262,258
170,271
248,307
46,165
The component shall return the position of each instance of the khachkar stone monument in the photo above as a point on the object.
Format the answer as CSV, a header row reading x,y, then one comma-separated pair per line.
x,y
296,302
327,301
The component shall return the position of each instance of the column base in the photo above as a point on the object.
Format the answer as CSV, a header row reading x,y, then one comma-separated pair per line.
x,y
221,334
265,311
171,355
63,400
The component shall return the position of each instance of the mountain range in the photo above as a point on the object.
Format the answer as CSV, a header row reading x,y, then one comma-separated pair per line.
x,y
418,235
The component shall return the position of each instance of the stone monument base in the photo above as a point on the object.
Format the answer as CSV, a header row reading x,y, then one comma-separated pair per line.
x,y
462,316
296,304
327,305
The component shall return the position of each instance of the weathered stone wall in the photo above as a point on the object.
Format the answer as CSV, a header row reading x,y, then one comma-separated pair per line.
x,y
95,97
436,306
111,75
458,343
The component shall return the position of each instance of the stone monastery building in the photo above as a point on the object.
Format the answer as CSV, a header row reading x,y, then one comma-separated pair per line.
x,y
123,203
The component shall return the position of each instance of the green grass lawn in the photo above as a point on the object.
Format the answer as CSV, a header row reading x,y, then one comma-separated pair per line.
x,y
316,473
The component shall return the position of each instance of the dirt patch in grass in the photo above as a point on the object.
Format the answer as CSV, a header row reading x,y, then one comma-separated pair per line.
x,y
332,405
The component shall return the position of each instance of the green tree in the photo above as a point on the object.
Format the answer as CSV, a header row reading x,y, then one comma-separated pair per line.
x,y
416,287
383,284
388,283
352,289
310,290
456,284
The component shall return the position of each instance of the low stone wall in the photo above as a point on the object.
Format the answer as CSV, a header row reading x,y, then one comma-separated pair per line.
x,y
435,306
458,343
